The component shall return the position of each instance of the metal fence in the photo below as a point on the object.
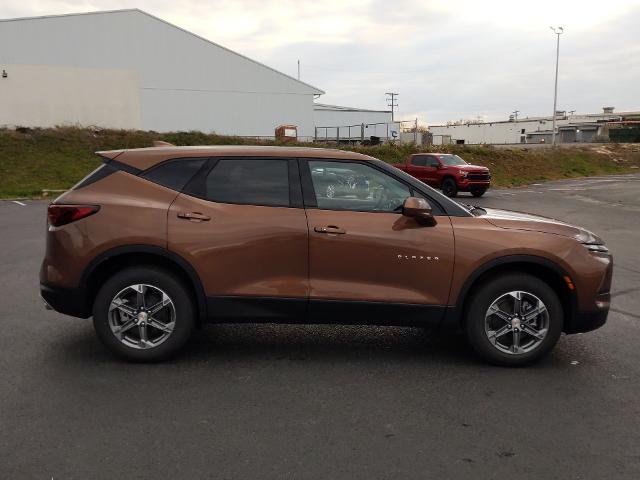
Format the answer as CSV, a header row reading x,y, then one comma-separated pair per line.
x,y
367,132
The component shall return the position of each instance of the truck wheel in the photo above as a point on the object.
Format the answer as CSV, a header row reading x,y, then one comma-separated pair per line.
x,y
449,187
514,320
478,192
144,314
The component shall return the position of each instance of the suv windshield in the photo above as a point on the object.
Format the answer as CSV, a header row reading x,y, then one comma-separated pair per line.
x,y
452,160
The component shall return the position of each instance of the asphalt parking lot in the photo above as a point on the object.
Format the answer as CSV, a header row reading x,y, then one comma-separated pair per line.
x,y
320,402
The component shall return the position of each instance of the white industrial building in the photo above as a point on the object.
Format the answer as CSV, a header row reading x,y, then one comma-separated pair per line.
x,y
355,124
128,69
592,127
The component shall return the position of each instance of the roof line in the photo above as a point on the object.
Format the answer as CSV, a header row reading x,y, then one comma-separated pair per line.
x,y
43,17
349,109
99,12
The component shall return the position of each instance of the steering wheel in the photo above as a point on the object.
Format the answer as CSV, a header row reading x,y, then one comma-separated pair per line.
x,y
388,202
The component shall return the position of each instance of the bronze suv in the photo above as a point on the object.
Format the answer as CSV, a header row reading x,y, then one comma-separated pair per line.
x,y
158,241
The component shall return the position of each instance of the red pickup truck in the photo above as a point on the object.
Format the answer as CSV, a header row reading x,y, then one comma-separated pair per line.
x,y
448,172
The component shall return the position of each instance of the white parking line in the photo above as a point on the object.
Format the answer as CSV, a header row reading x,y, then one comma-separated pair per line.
x,y
19,203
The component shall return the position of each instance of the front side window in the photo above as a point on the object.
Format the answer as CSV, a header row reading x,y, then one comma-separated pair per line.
x,y
250,182
356,186
432,161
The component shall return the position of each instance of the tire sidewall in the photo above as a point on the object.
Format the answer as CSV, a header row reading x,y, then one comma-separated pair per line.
x,y
494,288
454,187
182,300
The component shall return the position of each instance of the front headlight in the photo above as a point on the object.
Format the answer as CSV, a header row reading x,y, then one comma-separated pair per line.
x,y
463,174
597,249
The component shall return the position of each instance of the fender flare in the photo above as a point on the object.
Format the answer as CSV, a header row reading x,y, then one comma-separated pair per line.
x,y
183,264
454,312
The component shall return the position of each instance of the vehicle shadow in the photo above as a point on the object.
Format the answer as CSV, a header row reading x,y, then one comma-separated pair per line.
x,y
269,342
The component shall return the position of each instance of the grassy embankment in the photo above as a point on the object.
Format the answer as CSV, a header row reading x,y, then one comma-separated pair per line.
x,y
35,159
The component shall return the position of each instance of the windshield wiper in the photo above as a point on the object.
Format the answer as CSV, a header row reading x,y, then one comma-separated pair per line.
x,y
474,209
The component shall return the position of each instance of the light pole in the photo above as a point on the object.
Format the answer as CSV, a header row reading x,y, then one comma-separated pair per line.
x,y
558,31
392,102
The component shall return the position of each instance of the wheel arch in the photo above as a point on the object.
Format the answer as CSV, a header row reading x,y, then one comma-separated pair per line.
x,y
448,176
546,270
105,264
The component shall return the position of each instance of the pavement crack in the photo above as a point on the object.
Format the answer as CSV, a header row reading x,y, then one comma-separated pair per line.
x,y
624,312
624,292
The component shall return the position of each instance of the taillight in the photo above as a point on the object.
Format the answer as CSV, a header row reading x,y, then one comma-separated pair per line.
x,y
62,214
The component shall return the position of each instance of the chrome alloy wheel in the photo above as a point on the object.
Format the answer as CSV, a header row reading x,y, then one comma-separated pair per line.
x,y
516,322
142,316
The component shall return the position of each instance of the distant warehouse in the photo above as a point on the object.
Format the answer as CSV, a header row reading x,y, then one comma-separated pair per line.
x,y
583,128
128,69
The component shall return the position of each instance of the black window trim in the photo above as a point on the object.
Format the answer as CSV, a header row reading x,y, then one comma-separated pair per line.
x,y
196,187
309,195
109,166
143,173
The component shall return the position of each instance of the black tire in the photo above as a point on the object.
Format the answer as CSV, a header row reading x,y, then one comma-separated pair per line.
x,y
449,187
478,192
179,295
494,289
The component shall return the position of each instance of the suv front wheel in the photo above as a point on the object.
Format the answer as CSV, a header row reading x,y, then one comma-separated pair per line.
x,y
144,314
514,320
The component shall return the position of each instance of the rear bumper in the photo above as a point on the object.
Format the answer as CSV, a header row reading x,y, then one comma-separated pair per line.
x,y
70,301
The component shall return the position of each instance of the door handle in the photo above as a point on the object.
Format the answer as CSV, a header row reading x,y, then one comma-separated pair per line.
x,y
194,216
330,229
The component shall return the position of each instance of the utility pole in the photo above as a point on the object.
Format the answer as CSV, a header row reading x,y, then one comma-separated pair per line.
x,y
557,31
392,102
298,69
515,114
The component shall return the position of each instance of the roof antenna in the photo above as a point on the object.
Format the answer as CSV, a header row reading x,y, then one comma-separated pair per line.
x,y
160,143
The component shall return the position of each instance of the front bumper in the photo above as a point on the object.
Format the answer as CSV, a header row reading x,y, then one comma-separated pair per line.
x,y
70,301
588,321
466,185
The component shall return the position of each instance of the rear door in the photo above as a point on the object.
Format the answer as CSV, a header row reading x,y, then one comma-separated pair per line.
x,y
241,225
416,168
365,256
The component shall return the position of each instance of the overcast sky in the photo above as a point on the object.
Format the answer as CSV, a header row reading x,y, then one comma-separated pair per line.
x,y
448,59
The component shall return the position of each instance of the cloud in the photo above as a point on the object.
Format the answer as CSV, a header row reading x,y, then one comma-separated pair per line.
x,y
447,59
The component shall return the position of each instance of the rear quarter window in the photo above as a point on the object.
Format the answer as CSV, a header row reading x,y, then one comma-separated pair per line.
x,y
174,174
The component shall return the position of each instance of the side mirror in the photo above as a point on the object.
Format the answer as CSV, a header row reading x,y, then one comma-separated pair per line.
x,y
419,209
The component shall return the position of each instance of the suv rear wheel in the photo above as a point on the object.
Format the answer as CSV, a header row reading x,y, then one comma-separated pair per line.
x,y
514,320
144,314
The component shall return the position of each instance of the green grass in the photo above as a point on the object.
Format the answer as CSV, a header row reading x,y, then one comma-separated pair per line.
x,y
35,159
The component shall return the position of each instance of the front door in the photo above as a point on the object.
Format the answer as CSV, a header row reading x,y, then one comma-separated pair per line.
x,y
243,228
364,252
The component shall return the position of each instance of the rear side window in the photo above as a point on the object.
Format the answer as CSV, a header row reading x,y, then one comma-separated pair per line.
x,y
174,174
420,161
250,182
